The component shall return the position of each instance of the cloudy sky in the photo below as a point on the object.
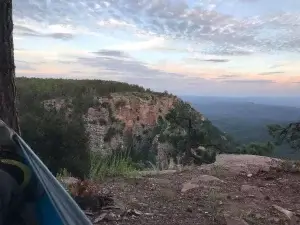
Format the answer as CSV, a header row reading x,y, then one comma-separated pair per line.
x,y
200,47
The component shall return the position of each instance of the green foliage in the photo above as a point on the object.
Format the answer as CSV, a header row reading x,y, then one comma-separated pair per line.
x,y
60,143
63,173
264,149
44,89
139,149
113,165
202,133
286,134
82,103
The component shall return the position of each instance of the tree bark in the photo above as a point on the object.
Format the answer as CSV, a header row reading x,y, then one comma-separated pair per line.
x,y
8,112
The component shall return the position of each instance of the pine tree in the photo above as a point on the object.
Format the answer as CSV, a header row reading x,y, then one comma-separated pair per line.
x,y
8,112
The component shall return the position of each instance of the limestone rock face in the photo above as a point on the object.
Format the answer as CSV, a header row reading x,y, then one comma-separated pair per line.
x,y
114,115
150,123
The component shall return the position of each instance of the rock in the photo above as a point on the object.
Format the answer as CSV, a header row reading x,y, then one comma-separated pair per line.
x,y
100,217
249,164
290,215
206,178
189,209
196,181
274,219
236,197
252,191
235,221
88,213
132,212
258,216
156,172
106,216
188,186
160,181
69,180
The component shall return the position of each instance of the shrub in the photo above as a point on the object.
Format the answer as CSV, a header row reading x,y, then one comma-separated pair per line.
x,y
60,143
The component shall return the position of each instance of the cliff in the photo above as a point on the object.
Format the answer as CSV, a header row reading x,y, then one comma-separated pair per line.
x,y
82,118
153,127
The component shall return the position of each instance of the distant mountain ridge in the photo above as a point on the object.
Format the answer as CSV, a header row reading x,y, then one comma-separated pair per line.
x,y
245,121
274,101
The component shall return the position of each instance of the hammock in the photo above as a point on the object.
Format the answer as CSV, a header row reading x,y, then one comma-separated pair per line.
x,y
55,206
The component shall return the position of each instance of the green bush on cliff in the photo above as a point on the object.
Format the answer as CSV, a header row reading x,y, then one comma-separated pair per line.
x,y
289,134
263,149
61,143
202,133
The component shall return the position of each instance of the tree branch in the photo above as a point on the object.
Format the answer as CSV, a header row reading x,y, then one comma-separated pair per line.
x,y
283,134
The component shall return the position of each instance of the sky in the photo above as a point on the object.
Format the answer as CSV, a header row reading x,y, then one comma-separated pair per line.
x,y
187,47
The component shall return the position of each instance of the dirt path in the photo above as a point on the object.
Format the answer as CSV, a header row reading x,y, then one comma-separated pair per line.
x,y
197,196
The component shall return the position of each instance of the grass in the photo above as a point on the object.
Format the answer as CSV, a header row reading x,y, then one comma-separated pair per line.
x,y
63,173
113,165
214,208
218,171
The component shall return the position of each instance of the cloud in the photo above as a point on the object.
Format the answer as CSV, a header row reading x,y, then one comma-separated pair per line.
x,y
152,43
26,31
275,66
113,23
23,65
111,53
197,60
201,24
271,73
251,1
121,63
28,25
226,50
225,76
242,81
215,60
80,75
55,53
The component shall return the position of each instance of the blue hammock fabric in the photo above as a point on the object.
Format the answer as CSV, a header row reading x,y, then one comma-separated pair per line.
x,y
56,206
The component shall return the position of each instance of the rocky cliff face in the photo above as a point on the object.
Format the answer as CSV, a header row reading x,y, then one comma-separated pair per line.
x,y
144,123
113,116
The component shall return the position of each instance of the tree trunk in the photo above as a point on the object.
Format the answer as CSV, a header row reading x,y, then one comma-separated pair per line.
x,y
8,112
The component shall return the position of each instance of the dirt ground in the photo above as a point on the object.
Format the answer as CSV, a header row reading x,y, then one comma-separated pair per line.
x,y
235,192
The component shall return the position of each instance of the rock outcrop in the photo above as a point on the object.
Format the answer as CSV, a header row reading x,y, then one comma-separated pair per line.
x,y
145,122
132,113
